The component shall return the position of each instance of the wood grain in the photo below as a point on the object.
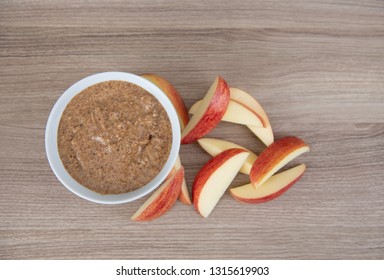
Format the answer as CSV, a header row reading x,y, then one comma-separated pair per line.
x,y
316,66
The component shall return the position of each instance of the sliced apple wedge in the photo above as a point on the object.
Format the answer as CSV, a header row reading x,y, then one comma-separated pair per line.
x,y
173,95
249,102
265,133
271,189
235,113
214,177
215,146
162,199
274,157
195,106
184,194
253,114
209,113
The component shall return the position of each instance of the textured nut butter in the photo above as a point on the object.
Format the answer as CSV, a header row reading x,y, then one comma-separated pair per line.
x,y
114,137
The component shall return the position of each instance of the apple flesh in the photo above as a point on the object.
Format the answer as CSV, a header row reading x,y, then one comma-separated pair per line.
x,y
173,95
209,113
249,102
271,189
162,199
235,113
184,194
214,178
274,157
215,146
265,133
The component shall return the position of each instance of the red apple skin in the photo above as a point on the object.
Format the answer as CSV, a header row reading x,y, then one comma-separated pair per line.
x,y
206,171
212,115
173,95
165,200
272,154
184,193
268,197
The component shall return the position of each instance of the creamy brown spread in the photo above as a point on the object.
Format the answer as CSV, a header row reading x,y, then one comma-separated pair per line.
x,y
114,137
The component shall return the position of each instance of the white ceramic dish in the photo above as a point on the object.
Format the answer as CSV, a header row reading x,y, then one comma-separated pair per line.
x,y
53,124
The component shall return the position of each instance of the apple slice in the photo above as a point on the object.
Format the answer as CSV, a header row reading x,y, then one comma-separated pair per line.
x,y
162,199
271,189
252,108
235,113
209,113
215,146
249,102
214,177
274,157
184,194
196,105
173,95
265,133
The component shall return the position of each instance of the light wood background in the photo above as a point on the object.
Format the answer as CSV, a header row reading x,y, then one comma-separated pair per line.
x,y
316,66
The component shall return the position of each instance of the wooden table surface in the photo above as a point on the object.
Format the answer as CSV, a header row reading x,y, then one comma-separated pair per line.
x,y
317,67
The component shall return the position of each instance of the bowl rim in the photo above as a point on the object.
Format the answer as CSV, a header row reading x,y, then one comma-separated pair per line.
x,y
53,124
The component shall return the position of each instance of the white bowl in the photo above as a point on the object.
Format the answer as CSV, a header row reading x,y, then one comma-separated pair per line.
x,y
53,125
